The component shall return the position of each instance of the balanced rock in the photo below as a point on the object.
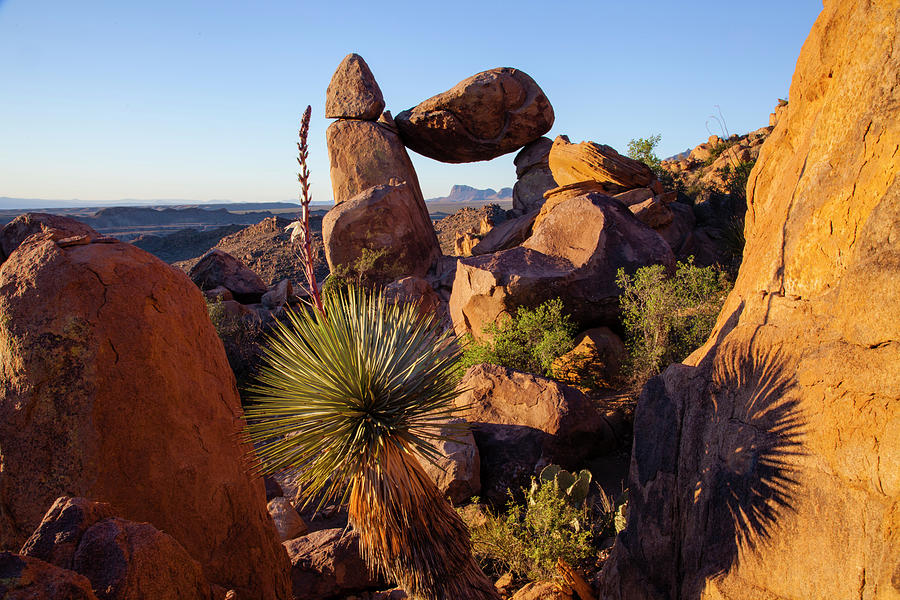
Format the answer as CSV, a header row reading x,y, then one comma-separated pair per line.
x,y
364,154
117,387
27,578
17,231
353,92
217,268
572,254
534,175
571,163
768,464
480,118
521,420
385,218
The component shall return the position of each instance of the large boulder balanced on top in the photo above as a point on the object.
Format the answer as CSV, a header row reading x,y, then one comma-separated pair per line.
x,y
16,231
768,465
521,421
353,92
382,218
573,254
116,387
480,118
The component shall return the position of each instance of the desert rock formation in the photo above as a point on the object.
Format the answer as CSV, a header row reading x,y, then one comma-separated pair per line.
x,y
381,218
768,465
116,388
367,158
353,92
480,118
572,254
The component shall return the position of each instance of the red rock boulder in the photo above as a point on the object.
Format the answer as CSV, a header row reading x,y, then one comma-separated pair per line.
x,y
573,254
353,92
387,219
217,269
16,231
521,421
26,578
116,387
327,564
480,118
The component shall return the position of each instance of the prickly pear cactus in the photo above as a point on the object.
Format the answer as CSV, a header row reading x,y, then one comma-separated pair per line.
x,y
573,487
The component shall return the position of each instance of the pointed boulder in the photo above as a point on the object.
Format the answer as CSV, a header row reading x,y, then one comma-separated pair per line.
x,y
353,92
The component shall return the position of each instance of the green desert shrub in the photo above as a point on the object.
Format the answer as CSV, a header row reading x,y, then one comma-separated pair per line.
x,y
643,149
668,317
530,341
367,271
528,539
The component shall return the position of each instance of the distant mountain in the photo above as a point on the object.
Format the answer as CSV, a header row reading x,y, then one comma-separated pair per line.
x,y
7,203
466,193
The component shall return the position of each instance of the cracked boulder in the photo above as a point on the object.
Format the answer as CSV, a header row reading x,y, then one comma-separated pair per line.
x,y
768,464
116,387
480,118
573,254
522,422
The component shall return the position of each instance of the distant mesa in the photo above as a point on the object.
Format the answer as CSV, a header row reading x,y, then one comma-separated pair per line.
x,y
466,193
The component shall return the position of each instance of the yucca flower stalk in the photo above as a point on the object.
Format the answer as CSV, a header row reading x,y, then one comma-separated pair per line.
x,y
301,232
347,398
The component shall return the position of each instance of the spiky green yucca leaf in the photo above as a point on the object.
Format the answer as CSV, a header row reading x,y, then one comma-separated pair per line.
x,y
336,389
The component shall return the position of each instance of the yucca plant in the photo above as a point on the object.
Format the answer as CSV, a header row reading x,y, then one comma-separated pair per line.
x,y
347,397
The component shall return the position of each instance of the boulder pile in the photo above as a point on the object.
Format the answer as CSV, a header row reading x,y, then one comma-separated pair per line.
x,y
373,181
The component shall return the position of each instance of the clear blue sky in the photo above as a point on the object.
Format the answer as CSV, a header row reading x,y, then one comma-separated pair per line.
x,y
201,100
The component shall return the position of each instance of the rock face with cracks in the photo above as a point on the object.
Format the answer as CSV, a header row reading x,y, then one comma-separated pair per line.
x,y
115,387
768,465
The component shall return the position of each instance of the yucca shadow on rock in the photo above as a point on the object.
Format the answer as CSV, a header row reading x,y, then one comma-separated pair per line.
x,y
749,471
